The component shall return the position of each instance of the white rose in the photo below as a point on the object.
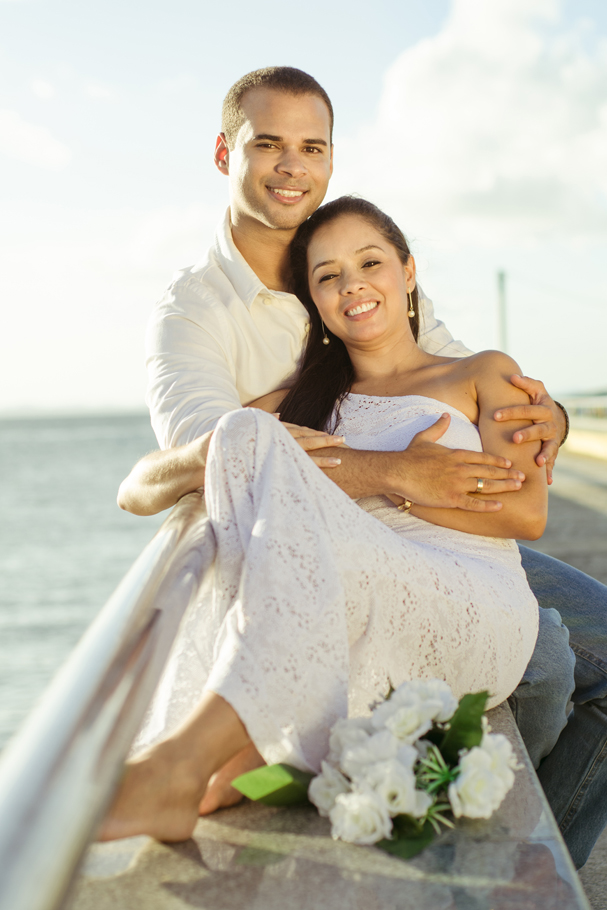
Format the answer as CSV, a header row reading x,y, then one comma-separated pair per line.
x,y
502,760
412,708
394,784
407,755
438,691
360,817
486,775
347,732
356,759
407,722
326,787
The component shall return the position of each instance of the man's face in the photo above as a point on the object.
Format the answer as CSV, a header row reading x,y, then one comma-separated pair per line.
x,y
280,168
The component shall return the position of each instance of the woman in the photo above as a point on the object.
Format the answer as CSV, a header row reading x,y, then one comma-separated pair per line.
x,y
315,605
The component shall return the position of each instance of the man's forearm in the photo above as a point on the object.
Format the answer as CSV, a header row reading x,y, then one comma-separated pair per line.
x,y
161,478
363,473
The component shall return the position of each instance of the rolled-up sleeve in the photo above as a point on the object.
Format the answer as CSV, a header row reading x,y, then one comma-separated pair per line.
x,y
191,381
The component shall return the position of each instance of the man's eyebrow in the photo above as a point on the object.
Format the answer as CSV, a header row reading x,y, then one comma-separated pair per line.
x,y
370,246
268,138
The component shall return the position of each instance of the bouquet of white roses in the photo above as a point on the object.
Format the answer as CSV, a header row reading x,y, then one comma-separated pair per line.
x,y
389,779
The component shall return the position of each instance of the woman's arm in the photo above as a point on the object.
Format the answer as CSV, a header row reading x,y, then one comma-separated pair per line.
x,y
523,513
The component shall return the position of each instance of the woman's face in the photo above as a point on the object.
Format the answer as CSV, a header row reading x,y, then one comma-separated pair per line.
x,y
358,281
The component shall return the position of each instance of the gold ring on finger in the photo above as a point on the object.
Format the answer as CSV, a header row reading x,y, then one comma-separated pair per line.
x,y
480,483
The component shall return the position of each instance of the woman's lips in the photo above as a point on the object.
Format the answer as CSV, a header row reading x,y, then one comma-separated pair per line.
x,y
362,310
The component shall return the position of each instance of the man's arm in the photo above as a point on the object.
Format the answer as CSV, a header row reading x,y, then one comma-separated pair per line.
x,y
426,473
190,383
161,478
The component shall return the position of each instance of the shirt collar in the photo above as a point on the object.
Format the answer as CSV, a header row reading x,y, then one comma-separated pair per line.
x,y
242,277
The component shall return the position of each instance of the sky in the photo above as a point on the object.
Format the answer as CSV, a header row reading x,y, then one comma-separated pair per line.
x,y
481,127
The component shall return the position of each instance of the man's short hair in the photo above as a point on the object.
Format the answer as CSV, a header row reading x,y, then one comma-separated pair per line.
x,y
280,78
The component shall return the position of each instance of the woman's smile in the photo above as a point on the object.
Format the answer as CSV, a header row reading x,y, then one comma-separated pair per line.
x,y
361,310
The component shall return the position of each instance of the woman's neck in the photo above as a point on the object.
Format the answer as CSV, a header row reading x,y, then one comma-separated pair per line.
x,y
383,366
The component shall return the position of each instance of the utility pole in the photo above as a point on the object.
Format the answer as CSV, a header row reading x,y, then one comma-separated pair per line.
x,y
501,310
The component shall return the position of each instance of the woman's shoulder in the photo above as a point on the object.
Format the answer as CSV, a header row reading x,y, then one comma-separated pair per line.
x,y
490,363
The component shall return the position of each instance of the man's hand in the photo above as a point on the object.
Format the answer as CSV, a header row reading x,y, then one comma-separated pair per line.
x,y
548,420
312,441
433,475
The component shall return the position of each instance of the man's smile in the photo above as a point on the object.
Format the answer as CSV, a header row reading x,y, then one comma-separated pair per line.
x,y
286,194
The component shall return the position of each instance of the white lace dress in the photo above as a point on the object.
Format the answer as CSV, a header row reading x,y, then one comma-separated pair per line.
x,y
315,604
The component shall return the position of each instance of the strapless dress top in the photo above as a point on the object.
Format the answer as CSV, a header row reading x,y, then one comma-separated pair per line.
x,y
388,424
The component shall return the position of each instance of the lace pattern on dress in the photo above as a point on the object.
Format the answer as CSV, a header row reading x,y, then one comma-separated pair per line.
x,y
314,605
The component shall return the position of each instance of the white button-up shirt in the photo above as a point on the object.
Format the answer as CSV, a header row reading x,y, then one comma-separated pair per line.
x,y
219,339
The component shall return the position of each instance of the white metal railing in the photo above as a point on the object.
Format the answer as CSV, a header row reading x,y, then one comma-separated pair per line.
x,y
58,775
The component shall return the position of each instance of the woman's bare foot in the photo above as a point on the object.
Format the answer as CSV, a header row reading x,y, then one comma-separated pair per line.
x,y
162,789
220,792
159,795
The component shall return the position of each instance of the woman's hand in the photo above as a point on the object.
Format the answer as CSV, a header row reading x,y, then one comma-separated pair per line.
x,y
548,421
312,441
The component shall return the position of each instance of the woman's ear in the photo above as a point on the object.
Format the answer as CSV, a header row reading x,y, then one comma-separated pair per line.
x,y
409,270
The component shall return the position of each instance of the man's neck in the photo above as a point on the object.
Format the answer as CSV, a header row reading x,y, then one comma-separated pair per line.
x,y
266,250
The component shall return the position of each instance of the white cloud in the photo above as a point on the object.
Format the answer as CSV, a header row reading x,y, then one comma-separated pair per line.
x,y
493,130
31,143
42,89
98,91
85,282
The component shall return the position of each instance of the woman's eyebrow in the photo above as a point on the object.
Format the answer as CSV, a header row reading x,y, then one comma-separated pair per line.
x,y
370,246
320,264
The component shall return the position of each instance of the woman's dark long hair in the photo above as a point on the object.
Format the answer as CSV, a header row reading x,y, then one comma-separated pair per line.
x,y
326,373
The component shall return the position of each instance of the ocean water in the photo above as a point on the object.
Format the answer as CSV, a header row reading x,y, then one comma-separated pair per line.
x,y
64,543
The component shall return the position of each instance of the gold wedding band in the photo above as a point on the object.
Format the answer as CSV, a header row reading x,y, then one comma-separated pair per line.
x,y
405,506
480,483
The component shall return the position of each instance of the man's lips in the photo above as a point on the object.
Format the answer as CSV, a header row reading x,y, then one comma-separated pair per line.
x,y
361,310
286,195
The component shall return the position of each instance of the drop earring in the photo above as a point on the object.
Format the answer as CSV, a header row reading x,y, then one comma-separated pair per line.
x,y
325,337
411,312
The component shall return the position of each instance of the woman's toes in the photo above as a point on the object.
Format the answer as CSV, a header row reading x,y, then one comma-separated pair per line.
x,y
220,793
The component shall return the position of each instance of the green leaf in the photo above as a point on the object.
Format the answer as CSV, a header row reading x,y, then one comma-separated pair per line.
x,y
275,785
465,730
410,837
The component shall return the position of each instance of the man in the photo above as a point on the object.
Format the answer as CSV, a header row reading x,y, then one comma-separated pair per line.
x,y
229,331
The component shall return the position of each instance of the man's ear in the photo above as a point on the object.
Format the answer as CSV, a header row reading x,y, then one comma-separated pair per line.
x,y
222,155
331,162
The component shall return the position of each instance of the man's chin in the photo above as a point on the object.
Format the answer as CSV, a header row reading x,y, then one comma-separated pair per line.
x,y
283,217
288,220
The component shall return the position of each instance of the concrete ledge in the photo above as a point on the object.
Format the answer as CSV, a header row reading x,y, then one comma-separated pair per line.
x,y
253,857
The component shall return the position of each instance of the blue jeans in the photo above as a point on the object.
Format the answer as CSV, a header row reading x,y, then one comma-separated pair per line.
x,y
574,772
